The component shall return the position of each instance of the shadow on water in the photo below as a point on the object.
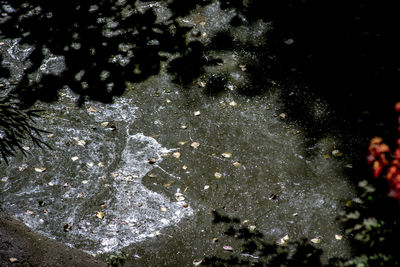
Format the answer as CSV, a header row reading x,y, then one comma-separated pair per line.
x,y
255,251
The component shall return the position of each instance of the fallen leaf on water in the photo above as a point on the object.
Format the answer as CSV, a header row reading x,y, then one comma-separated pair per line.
x,y
283,240
245,221
195,144
217,175
176,155
183,126
23,167
38,169
182,143
233,104
295,214
337,153
90,164
197,262
316,240
236,164
197,113
74,158
81,142
100,214
206,187
104,124
226,155
85,181
338,237
29,212
100,164
227,248
91,109
166,185
201,84
184,167
282,115
167,100
163,209
179,196
243,67
50,135
12,260
252,227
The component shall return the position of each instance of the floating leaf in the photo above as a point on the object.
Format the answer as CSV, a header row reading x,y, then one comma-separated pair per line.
x,y
163,209
197,113
100,214
233,104
38,169
337,153
104,124
338,237
91,109
183,126
206,187
282,115
226,155
184,167
100,164
201,84
50,135
85,181
227,248
197,262
316,240
252,227
90,164
236,164
217,175
29,212
167,100
295,214
12,260
81,142
176,155
74,158
283,240
195,144
182,143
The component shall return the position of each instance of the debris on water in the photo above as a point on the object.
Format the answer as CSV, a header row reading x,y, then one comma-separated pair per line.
x,y
67,227
206,187
245,221
179,197
23,167
295,214
197,262
283,240
236,164
65,185
349,166
41,203
92,109
74,158
183,126
40,169
152,175
184,167
176,155
272,197
29,212
289,41
90,164
4,179
243,67
337,153
104,124
151,160
50,135
50,183
201,84
195,144
227,248
27,148
85,182
79,142
182,143
163,209
226,155
197,113
100,214
338,237
282,115
100,164
249,255
218,175
215,240
185,205
233,104
252,227
326,156
316,240
114,174
12,260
